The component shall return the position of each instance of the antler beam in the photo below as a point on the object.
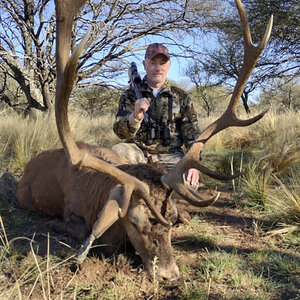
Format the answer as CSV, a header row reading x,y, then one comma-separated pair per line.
x,y
66,75
229,118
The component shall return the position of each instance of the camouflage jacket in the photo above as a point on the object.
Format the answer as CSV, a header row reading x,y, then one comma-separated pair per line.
x,y
151,135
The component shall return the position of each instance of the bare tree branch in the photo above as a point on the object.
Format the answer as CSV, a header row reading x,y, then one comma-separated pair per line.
x,y
120,28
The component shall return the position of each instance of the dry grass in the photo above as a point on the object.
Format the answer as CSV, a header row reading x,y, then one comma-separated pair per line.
x,y
22,139
268,148
285,200
273,131
211,267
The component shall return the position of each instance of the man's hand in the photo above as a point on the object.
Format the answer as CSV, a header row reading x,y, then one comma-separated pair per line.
x,y
192,176
140,106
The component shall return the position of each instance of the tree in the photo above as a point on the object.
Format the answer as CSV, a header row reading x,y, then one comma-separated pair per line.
x,y
97,100
26,43
209,95
285,41
222,66
222,61
10,92
282,96
284,46
27,31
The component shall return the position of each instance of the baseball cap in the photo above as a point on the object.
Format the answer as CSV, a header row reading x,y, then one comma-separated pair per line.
x,y
156,49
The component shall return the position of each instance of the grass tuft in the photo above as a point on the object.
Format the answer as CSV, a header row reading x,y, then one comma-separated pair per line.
x,y
284,199
256,185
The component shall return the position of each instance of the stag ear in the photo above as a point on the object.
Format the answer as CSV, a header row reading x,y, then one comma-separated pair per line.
x,y
172,210
106,218
139,218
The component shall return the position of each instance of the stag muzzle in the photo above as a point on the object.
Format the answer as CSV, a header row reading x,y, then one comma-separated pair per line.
x,y
171,272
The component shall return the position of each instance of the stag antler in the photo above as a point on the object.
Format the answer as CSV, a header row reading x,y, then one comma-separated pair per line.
x,y
66,75
229,118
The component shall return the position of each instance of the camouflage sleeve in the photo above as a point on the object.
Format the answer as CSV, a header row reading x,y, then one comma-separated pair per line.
x,y
189,123
125,125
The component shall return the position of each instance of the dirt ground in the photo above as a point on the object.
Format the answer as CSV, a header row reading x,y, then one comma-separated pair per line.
x,y
236,230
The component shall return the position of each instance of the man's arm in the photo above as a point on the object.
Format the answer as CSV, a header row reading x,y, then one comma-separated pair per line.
x,y
130,115
189,131
189,123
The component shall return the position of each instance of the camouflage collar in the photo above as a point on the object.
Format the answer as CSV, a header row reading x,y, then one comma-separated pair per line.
x,y
166,88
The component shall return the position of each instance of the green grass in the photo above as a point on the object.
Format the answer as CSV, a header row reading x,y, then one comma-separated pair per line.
x,y
192,291
85,293
257,275
255,186
230,276
284,268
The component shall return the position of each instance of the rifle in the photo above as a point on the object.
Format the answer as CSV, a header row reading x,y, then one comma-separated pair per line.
x,y
135,81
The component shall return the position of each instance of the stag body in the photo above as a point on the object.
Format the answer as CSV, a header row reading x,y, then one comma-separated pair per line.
x,y
81,195
78,183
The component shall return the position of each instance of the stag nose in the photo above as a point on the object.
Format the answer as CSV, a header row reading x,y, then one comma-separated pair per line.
x,y
175,273
170,273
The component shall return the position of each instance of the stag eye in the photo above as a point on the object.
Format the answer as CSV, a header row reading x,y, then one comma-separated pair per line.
x,y
156,243
134,225
153,221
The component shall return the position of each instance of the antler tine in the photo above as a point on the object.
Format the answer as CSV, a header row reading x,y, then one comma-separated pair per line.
x,y
64,84
251,55
66,75
229,118
245,25
246,28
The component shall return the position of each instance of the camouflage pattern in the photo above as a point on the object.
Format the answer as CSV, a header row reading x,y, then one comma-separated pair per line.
x,y
183,128
130,153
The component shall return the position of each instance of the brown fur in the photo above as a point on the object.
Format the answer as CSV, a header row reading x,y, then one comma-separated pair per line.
x,y
49,184
43,187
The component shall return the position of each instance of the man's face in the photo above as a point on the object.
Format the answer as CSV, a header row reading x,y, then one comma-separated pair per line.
x,y
157,69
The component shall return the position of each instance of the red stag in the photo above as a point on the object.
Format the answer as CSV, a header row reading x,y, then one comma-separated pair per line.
x,y
90,188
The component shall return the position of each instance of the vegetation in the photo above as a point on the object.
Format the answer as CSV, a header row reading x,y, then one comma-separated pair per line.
x,y
97,101
270,161
220,60
244,247
27,54
119,31
281,95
